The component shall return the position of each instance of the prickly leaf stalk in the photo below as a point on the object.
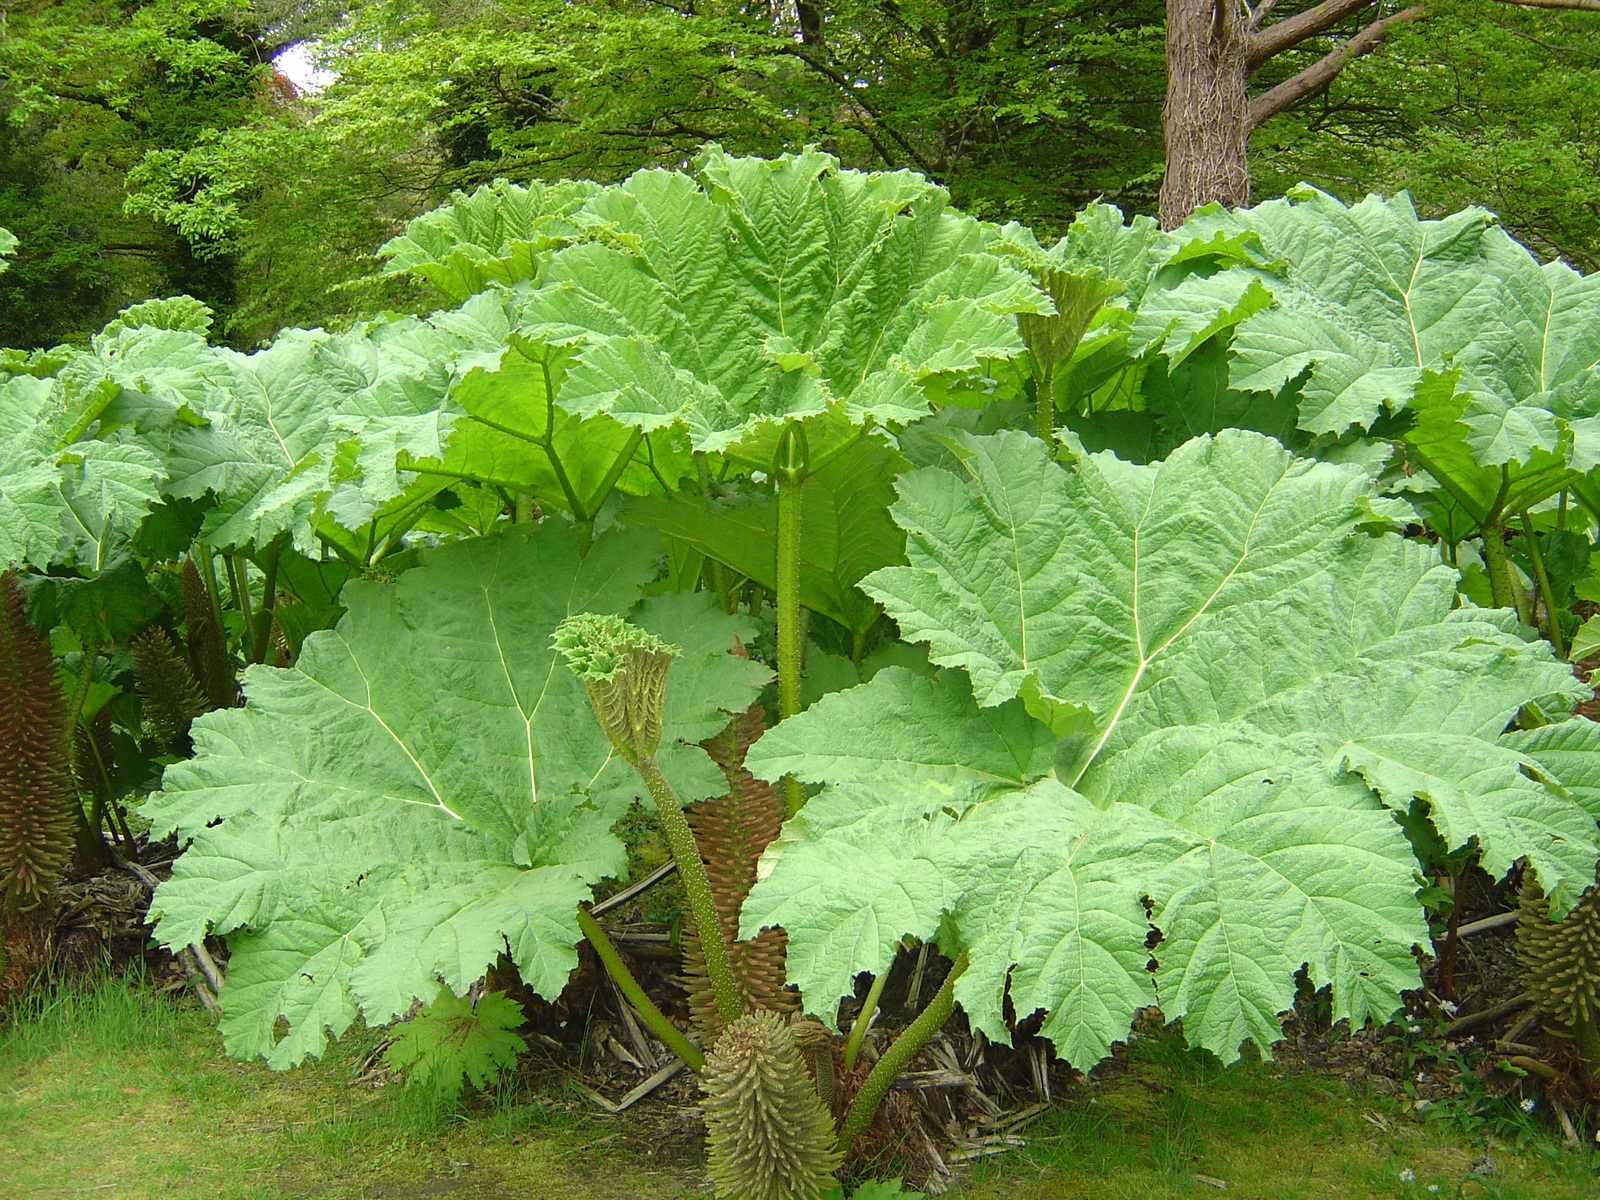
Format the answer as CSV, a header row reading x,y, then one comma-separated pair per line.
x,y
206,645
167,688
93,754
770,1136
38,805
624,672
1561,963
732,830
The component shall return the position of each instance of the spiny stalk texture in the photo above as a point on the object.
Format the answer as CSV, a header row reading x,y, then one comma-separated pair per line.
x,y
93,756
167,689
206,645
624,670
1561,963
38,806
770,1137
732,830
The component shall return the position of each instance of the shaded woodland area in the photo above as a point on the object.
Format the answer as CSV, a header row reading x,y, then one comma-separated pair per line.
x,y
152,148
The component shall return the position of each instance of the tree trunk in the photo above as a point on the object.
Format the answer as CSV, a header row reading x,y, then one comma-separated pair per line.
x,y
1206,117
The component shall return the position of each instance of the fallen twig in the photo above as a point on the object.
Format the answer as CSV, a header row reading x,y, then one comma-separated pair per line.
x,y
1488,1016
1534,1067
651,1084
1498,921
628,893
191,964
202,961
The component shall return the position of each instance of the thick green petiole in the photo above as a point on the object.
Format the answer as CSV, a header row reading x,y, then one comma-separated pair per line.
x,y
1502,584
858,1031
269,592
1044,409
696,887
895,1059
1547,596
652,1016
789,474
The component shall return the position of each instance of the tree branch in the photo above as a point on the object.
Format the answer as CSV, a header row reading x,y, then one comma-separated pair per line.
x,y
1254,16
1297,86
1571,5
1291,31
877,120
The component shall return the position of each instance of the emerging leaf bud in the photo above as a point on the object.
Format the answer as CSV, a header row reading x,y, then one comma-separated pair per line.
x,y
770,1137
624,670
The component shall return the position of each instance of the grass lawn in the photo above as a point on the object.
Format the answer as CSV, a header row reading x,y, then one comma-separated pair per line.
x,y
119,1093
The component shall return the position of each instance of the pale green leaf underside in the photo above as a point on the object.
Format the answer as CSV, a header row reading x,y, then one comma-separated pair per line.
x,y
427,786
80,501
844,512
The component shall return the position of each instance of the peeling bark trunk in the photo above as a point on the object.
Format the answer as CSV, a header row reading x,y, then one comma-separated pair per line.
x,y
1206,117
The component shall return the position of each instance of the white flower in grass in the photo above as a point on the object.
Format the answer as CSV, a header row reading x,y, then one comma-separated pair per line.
x,y
1408,1176
1529,1104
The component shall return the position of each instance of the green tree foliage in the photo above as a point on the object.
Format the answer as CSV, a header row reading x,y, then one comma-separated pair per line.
x,y
1479,104
1022,111
87,91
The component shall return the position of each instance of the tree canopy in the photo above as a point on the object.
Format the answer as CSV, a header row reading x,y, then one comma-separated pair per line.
x,y
159,149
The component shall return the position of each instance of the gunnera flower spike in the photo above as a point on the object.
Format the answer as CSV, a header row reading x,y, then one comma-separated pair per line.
x,y
1561,964
38,803
770,1137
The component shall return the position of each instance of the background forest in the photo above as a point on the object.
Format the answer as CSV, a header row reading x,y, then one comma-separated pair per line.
x,y
150,147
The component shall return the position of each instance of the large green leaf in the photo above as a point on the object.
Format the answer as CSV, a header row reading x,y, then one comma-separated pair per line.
x,y
845,515
497,234
8,247
1244,689
1375,310
514,436
426,786
750,292
320,427
80,502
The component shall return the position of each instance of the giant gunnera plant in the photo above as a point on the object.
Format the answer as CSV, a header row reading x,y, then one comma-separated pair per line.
x,y
1111,735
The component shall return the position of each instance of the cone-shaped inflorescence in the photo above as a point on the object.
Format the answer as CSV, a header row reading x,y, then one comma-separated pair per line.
x,y
732,830
206,645
770,1137
167,689
624,670
38,805
1561,963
